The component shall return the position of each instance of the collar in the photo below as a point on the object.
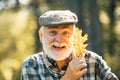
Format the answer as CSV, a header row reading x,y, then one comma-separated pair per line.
x,y
53,67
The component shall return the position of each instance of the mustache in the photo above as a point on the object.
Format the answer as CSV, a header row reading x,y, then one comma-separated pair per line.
x,y
58,44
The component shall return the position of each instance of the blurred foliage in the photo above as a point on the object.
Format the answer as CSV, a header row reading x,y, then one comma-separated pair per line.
x,y
19,26
16,42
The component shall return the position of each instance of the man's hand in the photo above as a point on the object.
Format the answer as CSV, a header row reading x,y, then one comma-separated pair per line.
x,y
76,68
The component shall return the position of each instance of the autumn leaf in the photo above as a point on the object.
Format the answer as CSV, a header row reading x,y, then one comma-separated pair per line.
x,y
79,46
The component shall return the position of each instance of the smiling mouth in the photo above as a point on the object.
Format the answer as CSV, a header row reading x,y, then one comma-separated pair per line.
x,y
57,47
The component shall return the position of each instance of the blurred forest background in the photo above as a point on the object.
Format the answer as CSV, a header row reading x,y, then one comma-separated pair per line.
x,y
19,30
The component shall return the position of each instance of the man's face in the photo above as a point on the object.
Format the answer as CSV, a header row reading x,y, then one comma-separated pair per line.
x,y
56,41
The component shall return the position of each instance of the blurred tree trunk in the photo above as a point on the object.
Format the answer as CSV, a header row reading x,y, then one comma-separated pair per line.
x,y
17,5
35,7
112,36
94,28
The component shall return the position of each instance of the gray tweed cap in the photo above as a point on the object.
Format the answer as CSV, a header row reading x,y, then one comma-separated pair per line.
x,y
58,17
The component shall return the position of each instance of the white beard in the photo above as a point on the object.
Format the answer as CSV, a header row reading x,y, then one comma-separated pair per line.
x,y
58,56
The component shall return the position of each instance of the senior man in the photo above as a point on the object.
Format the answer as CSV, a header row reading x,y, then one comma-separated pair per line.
x,y
56,61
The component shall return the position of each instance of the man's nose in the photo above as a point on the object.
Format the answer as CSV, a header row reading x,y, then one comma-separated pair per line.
x,y
59,37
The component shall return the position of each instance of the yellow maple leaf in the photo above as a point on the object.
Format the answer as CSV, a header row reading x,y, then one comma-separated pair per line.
x,y
79,46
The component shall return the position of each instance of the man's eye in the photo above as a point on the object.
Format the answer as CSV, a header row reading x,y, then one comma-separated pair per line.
x,y
53,32
66,33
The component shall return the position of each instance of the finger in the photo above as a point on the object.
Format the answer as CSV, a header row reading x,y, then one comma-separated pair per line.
x,y
77,61
82,72
82,61
80,58
81,66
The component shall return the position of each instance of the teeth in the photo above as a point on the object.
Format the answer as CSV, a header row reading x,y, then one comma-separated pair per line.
x,y
58,46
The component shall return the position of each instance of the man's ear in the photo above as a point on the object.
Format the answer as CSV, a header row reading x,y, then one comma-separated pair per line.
x,y
40,35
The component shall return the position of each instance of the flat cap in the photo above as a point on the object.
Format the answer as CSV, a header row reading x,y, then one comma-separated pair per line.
x,y
58,17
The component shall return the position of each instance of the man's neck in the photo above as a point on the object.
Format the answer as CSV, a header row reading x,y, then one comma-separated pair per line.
x,y
60,63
